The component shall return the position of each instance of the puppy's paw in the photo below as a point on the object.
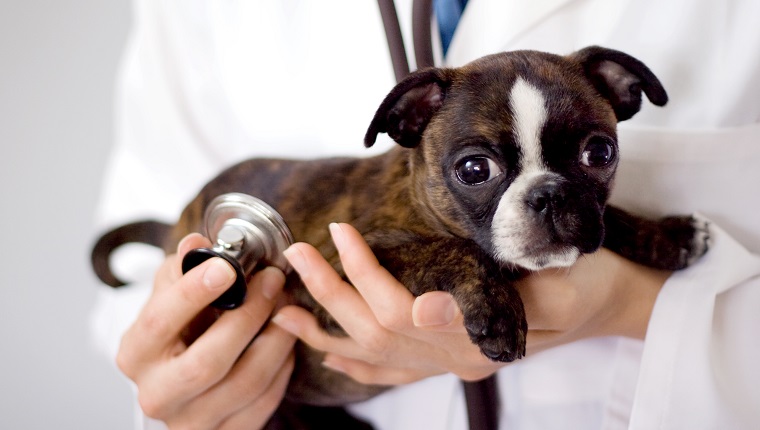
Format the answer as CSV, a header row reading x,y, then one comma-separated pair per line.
x,y
690,239
701,241
499,333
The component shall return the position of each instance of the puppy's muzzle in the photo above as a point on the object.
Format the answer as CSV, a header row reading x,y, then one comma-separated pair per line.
x,y
546,199
564,214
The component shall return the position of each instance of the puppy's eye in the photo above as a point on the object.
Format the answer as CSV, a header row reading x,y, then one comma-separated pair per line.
x,y
477,170
599,152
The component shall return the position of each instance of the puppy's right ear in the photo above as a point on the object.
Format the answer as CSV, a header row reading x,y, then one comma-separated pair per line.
x,y
621,79
407,109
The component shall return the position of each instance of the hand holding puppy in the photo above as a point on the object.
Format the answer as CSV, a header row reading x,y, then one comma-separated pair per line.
x,y
395,338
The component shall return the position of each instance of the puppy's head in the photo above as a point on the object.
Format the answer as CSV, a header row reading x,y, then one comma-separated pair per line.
x,y
518,150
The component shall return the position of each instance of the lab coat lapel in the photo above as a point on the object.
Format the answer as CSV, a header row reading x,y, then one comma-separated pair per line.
x,y
478,34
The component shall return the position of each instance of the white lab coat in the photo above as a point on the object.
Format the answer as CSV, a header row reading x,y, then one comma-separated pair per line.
x,y
204,84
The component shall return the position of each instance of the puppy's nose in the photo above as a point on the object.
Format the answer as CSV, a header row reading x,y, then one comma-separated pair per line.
x,y
546,197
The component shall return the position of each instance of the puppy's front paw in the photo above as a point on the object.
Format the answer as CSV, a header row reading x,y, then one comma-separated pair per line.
x,y
499,332
690,236
701,241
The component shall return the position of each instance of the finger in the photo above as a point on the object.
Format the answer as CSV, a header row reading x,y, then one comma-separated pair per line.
x,y
253,373
227,337
367,373
213,354
169,310
438,311
460,357
368,339
249,381
339,298
190,242
389,300
258,412
171,270
168,273
234,329
304,325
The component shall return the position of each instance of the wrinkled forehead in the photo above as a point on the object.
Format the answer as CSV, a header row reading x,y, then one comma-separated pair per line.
x,y
497,94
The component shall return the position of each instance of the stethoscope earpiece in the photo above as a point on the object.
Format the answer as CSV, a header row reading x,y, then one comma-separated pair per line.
x,y
247,233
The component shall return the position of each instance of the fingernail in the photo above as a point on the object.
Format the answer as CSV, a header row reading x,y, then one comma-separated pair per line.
x,y
218,274
333,366
181,244
286,324
271,282
296,259
337,234
434,310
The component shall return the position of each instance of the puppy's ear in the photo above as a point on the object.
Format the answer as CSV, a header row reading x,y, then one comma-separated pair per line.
x,y
407,109
620,78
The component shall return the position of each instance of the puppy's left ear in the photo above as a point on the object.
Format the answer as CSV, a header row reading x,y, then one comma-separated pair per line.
x,y
620,78
407,109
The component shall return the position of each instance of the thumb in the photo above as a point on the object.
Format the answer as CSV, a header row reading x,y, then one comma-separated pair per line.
x,y
437,311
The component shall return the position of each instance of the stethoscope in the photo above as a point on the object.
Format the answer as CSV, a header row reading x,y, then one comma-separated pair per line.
x,y
250,234
482,397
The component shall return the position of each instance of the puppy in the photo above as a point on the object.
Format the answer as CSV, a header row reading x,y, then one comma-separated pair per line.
x,y
504,166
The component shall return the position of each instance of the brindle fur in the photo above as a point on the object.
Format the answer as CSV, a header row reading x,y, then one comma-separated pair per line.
x,y
417,254
428,236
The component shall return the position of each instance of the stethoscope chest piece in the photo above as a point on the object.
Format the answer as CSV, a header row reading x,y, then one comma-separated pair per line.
x,y
247,233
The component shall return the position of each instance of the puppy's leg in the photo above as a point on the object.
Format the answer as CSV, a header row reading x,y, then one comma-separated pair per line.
x,y
493,311
669,243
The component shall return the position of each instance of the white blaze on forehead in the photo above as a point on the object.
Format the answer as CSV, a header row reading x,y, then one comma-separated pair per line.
x,y
529,116
517,237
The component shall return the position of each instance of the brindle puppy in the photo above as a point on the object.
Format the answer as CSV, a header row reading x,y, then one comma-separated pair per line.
x,y
503,166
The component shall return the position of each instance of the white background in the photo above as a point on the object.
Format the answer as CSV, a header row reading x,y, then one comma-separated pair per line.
x,y
57,68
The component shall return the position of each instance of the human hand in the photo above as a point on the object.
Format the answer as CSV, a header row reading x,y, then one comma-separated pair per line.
x,y
602,294
395,338
388,340
219,381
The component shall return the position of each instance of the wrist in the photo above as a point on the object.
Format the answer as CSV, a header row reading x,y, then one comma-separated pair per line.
x,y
641,286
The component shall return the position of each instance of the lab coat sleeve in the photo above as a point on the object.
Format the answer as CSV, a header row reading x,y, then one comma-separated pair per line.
x,y
170,117
168,109
161,155
699,365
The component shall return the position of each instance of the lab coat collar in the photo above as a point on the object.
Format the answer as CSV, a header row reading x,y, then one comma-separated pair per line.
x,y
479,34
